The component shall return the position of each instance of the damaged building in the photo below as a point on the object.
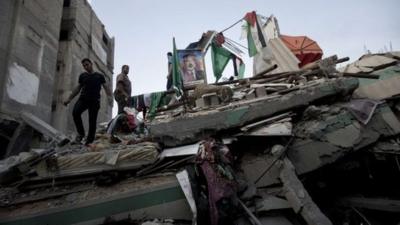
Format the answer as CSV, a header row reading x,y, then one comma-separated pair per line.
x,y
41,45
82,35
314,144
309,153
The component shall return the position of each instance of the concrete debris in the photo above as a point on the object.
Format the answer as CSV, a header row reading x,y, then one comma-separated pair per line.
x,y
276,53
298,197
158,222
386,66
20,140
223,94
257,151
273,203
251,164
300,142
387,205
132,157
386,87
369,63
196,126
362,109
252,217
387,147
180,151
266,122
279,128
184,182
45,128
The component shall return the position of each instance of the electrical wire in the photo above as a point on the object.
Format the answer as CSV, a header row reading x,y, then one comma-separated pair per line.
x,y
231,25
397,161
236,43
361,215
276,160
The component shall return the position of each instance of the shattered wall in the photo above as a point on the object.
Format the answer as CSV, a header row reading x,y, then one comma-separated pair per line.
x,y
29,35
82,36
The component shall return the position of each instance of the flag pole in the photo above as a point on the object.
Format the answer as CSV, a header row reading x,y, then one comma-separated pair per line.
x,y
177,77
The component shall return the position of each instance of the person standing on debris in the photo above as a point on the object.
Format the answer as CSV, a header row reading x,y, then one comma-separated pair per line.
x,y
123,89
89,86
169,76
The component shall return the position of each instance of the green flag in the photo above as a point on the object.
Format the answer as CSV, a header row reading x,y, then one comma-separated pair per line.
x,y
220,58
250,42
177,82
155,99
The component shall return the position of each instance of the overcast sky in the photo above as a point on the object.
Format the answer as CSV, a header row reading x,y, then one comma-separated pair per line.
x,y
143,30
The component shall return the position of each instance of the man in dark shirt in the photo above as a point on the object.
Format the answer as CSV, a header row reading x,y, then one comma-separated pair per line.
x,y
89,86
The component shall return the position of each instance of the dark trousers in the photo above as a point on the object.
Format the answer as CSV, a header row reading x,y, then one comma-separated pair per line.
x,y
169,82
93,107
121,102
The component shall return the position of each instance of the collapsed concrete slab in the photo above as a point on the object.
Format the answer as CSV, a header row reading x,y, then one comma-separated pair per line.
x,y
323,140
387,86
325,135
194,127
132,198
44,128
298,196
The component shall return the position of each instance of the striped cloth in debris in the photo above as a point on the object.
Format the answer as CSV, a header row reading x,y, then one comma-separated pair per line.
x,y
140,154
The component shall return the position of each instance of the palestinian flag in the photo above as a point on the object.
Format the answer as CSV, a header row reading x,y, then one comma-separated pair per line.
x,y
177,82
255,34
219,58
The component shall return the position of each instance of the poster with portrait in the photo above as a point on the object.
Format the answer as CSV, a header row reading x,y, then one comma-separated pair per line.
x,y
191,63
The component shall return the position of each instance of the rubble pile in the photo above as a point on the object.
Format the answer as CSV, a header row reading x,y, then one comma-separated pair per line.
x,y
312,146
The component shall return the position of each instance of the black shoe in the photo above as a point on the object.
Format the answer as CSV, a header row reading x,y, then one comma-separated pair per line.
x,y
87,143
78,139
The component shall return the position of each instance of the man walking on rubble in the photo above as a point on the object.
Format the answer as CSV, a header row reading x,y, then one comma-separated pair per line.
x,y
123,89
89,86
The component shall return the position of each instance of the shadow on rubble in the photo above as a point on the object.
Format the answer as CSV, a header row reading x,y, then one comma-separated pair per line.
x,y
358,189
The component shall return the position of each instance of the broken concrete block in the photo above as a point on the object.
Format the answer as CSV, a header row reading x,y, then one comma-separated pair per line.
x,y
251,164
100,202
200,103
211,99
328,65
272,203
345,137
298,196
251,95
276,129
44,128
214,100
260,91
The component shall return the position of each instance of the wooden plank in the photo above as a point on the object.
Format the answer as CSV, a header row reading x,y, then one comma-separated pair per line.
x,y
266,121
